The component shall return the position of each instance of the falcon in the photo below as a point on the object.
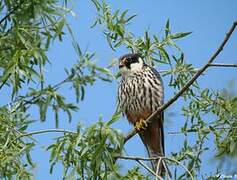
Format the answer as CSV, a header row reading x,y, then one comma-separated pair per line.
x,y
140,93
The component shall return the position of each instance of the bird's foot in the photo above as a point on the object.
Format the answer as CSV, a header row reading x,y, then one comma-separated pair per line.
x,y
141,125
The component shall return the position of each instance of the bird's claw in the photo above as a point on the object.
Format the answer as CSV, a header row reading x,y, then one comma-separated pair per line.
x,y
141,125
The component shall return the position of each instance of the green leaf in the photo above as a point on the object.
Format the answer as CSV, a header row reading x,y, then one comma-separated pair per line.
x,y
30,72
130,18
167,28
116,116
97,4
7,72
105,71
29,159
179,35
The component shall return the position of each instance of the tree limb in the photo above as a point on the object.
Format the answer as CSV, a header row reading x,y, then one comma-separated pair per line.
x,y
189,83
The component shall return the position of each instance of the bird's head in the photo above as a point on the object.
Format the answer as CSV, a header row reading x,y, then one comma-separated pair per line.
x,y
130,63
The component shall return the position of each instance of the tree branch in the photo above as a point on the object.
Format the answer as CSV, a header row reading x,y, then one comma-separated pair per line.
x,y
33,98
136,158
189,83
210,65
196,130
223,65
42,132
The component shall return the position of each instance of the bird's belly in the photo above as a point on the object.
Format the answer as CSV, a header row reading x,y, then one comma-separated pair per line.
x,y
136,104
140,94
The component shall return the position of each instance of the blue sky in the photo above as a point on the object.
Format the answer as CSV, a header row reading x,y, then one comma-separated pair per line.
x,y
208,20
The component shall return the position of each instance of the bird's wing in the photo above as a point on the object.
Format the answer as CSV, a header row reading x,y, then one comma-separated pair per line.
x,y
153,136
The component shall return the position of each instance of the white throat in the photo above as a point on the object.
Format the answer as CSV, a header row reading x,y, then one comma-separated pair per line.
x,y
137,66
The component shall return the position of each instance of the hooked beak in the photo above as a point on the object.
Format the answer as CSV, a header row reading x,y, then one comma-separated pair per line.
x,y
121,63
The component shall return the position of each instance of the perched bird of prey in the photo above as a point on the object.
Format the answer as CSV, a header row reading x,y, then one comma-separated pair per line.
x,y
140,93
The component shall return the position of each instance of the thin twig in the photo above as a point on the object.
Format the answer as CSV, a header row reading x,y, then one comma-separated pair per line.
x,y
149,169
195,130
38,132
179,132
210,65
189,83
158,166
43,132
140,158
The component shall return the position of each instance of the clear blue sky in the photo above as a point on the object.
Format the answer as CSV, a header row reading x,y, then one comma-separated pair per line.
x,y
208,20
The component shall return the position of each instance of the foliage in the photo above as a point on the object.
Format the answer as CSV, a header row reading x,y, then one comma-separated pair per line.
x,y
88,153
15,154
27,30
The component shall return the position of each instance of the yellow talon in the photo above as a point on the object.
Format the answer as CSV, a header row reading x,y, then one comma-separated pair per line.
x,y
140,125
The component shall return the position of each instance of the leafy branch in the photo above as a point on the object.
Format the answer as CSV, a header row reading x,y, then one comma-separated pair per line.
x,y
10,13
189,83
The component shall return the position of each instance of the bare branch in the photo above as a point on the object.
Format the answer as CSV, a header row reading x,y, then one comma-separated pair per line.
x,y
189,83
195,130
223,65
140,158
179,132
210,65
